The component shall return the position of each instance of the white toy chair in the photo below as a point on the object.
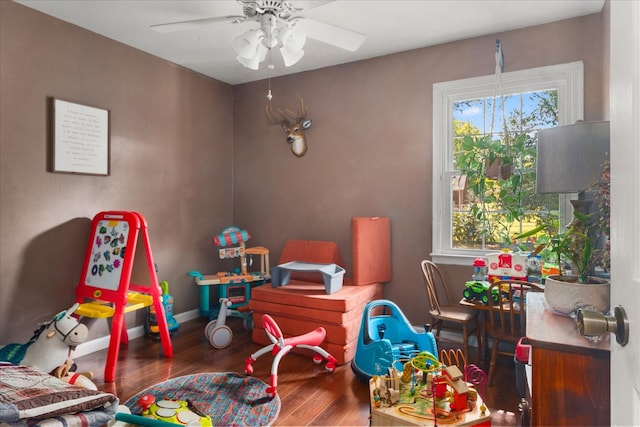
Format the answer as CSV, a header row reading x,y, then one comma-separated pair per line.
x,y
282,346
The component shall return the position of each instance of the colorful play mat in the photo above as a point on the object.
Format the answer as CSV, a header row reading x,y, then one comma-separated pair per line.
x,y
230,399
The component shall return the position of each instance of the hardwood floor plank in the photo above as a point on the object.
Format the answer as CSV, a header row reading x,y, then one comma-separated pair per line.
x,y
309,395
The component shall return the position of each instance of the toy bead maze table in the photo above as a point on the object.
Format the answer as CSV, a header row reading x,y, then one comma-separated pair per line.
x,y
417,408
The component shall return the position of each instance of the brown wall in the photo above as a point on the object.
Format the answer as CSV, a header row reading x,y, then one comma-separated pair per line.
x,y
178,138
171,160
370,143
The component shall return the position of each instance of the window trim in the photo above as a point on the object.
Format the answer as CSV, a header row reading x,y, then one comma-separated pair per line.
x,y
567,78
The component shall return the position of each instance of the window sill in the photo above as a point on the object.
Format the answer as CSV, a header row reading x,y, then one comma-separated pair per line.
x,y
457,259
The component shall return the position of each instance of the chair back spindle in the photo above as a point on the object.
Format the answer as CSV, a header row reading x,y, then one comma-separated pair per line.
x,y
507,315
445,310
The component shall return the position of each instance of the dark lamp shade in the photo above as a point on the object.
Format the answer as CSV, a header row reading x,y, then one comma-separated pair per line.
x,y
570,157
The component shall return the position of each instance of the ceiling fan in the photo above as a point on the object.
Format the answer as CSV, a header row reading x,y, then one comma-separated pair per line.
x,y
281,24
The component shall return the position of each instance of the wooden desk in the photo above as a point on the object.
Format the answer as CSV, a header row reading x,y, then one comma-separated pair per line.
x,y
570,381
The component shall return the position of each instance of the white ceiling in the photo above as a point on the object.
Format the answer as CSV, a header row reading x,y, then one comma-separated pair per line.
x,y
391,26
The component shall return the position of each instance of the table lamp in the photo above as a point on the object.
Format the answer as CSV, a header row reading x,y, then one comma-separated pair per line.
x,y
570,159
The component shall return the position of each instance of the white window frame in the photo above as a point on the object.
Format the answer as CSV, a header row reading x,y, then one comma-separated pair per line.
x,y
567,79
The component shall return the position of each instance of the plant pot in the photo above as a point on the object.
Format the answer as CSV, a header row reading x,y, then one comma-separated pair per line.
x,y
565,294
497,169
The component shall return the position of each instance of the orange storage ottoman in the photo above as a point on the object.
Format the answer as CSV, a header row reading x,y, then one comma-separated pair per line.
x,y
303,304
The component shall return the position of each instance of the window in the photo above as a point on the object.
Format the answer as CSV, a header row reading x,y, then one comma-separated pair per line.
x,y
473,213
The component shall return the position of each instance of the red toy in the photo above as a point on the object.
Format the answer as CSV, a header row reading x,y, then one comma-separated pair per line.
x,y
282,346
507,265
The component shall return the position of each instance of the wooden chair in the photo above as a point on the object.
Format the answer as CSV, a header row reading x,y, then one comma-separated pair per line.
x,y
445,311
507,316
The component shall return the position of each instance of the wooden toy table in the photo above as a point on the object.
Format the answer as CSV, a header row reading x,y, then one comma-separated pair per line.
x,y
417,410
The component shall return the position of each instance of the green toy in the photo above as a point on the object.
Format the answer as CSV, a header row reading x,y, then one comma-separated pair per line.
x,y
479,289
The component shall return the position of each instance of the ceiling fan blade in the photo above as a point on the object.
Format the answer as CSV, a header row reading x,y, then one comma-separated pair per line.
x,y
194,23
332,34
307,5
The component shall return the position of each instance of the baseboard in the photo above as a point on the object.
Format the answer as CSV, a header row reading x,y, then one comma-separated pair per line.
x,y
135,332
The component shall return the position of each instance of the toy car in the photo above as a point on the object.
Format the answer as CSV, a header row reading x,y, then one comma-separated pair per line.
x,y
479,289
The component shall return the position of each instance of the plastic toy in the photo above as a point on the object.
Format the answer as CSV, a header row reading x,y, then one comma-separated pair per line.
x,y
479,269
281,346
387,338
235,286
479,289
171,411
105,289
79,379
49,346
232,287
218,333
507,265
332,274
548,269
151,322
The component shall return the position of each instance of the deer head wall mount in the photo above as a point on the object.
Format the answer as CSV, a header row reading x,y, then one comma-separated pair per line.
x,y
294,125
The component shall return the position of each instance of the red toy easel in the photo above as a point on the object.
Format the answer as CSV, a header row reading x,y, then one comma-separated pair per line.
x,y
105,289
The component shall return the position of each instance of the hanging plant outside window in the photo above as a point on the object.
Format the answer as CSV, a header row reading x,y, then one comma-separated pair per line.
x,y
500,200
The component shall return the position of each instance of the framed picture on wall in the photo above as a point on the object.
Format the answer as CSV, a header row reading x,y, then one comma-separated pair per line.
x,y
80,140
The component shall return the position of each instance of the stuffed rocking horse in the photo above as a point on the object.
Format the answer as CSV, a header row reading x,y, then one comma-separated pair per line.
x,y
50,345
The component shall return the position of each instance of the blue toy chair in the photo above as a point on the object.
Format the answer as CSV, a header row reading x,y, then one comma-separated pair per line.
x,y
387,338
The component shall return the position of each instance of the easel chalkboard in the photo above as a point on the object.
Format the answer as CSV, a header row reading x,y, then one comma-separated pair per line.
x,y
105,288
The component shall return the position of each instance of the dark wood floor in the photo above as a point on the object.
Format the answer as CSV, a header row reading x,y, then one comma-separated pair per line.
x,y
310,396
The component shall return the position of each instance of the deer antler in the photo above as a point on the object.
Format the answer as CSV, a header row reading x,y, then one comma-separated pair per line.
x,y
287,116
300,116
280,118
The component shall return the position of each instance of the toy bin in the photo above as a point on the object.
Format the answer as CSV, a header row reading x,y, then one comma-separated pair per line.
x,y
330,274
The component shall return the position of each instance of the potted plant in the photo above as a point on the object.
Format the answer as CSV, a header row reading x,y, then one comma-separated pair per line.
x,y
495,186
584,247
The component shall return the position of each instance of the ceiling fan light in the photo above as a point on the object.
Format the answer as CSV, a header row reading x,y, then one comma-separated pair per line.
x,y
246,45
291,56
254,61
262,52
291,38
